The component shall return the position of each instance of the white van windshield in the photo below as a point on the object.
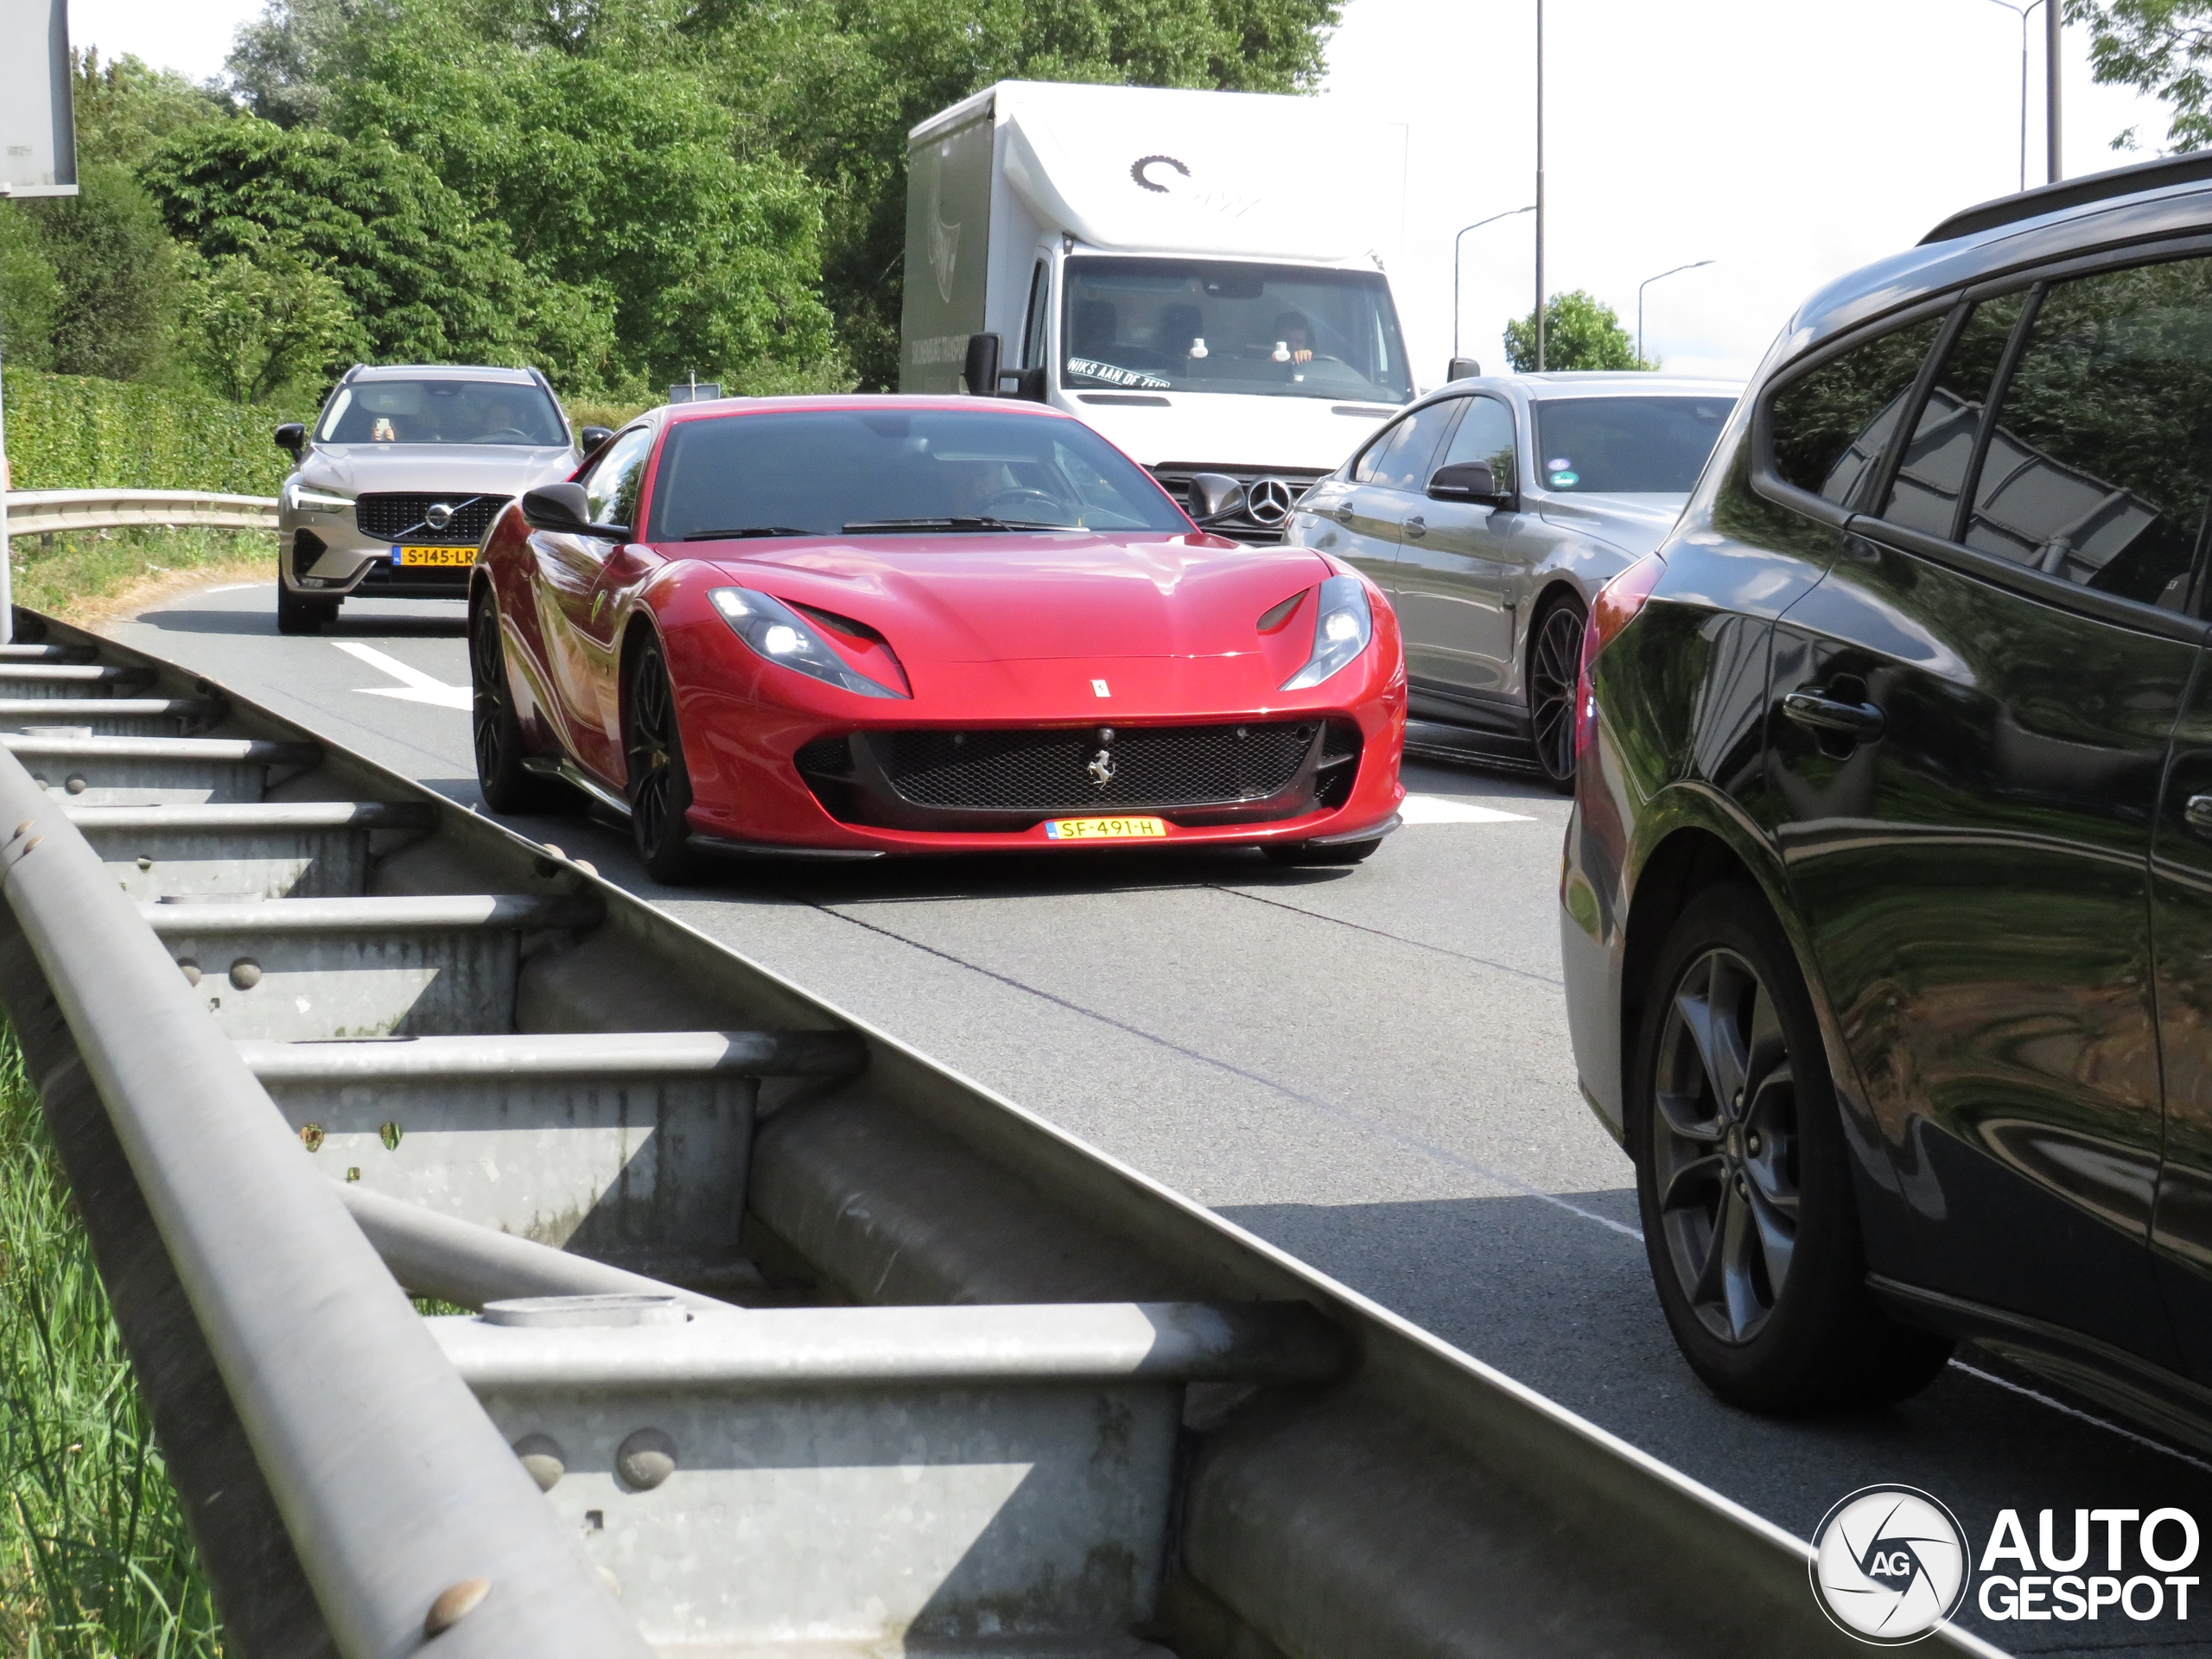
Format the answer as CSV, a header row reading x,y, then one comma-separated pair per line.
x,y
1204,325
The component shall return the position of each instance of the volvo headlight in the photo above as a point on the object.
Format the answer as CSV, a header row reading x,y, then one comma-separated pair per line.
x,y
312,501
1347,625
779,633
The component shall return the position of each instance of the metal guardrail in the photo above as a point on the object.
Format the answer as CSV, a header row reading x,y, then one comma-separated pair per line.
x,y
986,1388
33,512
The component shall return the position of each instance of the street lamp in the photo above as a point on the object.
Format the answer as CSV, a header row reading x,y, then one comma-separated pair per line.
x,y
1464,229
1647,283
2023,12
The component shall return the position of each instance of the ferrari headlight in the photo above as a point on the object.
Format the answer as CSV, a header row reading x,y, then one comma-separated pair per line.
x,y
1347,625
778,633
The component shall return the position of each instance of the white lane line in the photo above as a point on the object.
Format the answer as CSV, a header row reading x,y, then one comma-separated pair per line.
x,y
1437,809
234,587
415,686
2086,1417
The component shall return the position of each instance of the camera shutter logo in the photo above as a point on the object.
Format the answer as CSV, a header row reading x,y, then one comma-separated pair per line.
x,y
1888,1565
1141,171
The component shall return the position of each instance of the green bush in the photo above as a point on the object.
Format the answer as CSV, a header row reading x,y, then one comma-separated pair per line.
x,y
67,432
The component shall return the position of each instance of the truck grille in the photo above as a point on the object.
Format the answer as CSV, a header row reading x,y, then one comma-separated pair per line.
x,y
393,517
1269,491
1057,771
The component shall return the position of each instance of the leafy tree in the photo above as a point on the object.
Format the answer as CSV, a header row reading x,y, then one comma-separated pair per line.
x,y
2159,47
264,321
1580,332
30,291
115,311
124,110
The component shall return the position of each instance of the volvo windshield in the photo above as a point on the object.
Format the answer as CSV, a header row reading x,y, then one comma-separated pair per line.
x,y
442,411
1203,325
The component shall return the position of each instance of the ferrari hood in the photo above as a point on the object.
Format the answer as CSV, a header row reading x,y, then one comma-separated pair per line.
x,y
460,469
1017,598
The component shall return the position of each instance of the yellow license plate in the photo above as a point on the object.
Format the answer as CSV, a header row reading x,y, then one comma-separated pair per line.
x,y
1104,829
434,555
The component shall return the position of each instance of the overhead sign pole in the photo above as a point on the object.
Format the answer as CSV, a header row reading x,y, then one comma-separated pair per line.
x,y
38,157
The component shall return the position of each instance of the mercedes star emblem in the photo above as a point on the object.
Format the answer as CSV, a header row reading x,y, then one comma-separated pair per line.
x,y
1268,501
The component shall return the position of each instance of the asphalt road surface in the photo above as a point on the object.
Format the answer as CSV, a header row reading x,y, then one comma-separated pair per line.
x,y
1367,1066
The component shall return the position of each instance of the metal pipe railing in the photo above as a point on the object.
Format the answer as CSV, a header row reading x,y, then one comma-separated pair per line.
x,y
393,1484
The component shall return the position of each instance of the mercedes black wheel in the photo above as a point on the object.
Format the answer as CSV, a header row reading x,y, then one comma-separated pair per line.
x,y
660,785
1744,1177
501,779
1554,663
297,613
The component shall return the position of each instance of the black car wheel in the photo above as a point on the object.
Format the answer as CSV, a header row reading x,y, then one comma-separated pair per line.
x,y
660,785
297,613
500,777
1555,662
1743,1177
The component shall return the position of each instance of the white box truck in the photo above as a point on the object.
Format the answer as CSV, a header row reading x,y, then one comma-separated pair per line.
x,y
1202,276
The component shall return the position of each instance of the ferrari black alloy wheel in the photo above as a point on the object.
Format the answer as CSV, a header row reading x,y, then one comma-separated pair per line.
x,y
1743,1178
497,733
1554,661
660,786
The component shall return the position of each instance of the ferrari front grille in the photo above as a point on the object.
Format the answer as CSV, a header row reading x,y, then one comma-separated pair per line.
x,y
1156,767
395,516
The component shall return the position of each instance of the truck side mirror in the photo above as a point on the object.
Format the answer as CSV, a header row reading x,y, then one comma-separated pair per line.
x,y
1462,368
292,436
1467,480
982,370
1028,384
1214,496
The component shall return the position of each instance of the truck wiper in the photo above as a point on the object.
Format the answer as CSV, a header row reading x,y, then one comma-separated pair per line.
x,y
862,526
750,529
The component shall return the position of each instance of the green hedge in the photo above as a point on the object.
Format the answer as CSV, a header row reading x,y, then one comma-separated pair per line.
x,y
70,432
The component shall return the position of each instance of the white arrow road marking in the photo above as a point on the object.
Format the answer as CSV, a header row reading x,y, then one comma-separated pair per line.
x,y
1435,808
415,685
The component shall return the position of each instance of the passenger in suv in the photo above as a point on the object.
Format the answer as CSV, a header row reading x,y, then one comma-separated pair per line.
x,y
1888,894
402,473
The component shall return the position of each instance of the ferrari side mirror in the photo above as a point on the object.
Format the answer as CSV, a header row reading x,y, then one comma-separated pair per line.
x,y
566,511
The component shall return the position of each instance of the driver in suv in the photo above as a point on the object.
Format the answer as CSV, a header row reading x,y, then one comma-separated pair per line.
x,y
400,476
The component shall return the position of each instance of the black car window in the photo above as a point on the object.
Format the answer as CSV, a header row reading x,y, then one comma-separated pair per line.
x,y
2101,463
1399,458
1626,446
611,486
1486,435
1831,424
1932,472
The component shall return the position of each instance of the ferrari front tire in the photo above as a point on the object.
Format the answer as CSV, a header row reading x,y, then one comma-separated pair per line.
x,y
660,784
501,779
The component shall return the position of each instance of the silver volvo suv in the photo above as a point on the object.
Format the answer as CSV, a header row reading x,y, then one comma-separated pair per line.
x,y
401,475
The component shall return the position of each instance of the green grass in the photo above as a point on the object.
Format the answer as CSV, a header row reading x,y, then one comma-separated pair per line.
x,y
62,574
95,1559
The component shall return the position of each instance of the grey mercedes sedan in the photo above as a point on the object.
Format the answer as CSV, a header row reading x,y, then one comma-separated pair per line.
x,y
1491,512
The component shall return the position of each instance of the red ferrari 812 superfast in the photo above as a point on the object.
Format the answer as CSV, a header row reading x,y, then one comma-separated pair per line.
x,y
867,624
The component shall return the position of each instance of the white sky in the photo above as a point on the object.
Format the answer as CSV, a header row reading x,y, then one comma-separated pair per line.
x,y
1788,140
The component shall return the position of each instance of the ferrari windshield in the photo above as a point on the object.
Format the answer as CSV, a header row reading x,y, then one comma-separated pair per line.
x,y
1627,446
888,470
1203,325
442,411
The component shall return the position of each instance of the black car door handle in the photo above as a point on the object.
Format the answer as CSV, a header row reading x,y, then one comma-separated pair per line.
x,y
2198,814
1416,526
1860,722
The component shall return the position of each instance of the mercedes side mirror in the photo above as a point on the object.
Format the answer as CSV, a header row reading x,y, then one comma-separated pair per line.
x,y
981,370
1214,496
1467,480
589,439
1026,383
565,510
292,436
1462,368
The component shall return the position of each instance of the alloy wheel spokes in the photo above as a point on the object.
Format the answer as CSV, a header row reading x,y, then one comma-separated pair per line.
x,y
1558,661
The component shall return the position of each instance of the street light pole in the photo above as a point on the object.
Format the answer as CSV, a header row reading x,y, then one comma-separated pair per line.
x,y
1539,187
1646,283
2050,22
2022,13
1464,229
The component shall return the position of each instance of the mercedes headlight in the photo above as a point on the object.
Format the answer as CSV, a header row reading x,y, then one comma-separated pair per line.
x,y
779,633
1347,625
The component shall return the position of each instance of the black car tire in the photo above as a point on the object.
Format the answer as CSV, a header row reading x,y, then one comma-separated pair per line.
x,y
1743,1177
297,613
1304,853
660,784
501,779
1554,663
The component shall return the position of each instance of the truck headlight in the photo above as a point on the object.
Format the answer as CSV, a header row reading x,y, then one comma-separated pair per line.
x,y
1345,626
778,633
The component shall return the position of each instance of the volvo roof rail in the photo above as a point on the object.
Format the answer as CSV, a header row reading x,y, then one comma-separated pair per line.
x,y
2074,193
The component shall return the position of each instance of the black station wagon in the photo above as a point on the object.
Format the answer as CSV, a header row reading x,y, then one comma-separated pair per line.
x,y
1888,886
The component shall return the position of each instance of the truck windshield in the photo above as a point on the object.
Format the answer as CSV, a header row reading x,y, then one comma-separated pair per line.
x,y
442,411
888,470
1203,325
1626,446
